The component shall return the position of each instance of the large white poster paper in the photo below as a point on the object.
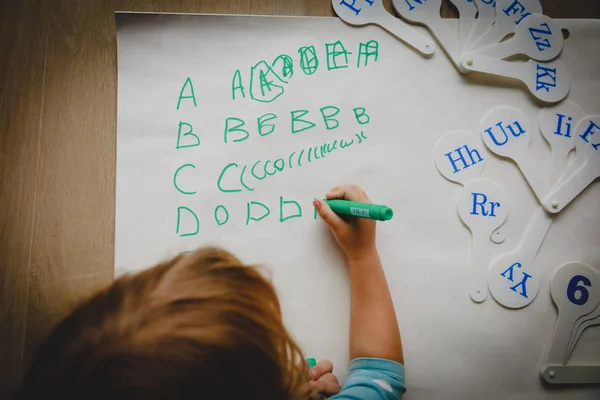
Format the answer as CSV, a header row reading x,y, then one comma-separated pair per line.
x,y
190,174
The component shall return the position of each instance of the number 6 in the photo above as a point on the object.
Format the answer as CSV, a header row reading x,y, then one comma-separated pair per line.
x,y
574,287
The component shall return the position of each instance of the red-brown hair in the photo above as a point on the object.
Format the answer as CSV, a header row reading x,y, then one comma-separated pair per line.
x,y
201,326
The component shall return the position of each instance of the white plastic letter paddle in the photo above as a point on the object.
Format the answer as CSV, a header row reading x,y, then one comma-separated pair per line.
x,y
513,279
509,14
506,131
372,12
427,12
575,291
557,125
486,16
538,37
581,325
587,143
549,82
459,157
483,206
572,374
467,11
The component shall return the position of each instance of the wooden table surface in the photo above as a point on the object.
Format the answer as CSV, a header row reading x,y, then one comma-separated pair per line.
x,y
58,86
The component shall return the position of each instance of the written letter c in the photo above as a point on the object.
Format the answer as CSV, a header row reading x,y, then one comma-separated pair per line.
x,y
221,178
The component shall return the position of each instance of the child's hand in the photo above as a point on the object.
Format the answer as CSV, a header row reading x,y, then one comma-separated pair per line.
x,y
355,235
322,380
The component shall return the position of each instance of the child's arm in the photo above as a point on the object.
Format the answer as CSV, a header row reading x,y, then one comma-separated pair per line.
x,y
373,326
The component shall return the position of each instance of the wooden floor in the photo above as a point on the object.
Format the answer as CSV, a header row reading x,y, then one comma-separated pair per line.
x,y
58,85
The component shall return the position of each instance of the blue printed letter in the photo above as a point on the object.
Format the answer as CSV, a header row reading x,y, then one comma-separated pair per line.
x,y
523,285
412,7
514,8
472,154
593,128
545,78
353,8
542,44
559,125
480,204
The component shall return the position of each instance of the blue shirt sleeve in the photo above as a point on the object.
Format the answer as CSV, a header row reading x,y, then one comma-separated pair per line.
x,y
373,379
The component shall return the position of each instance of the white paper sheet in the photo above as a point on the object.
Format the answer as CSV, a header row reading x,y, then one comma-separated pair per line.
x,y
454,348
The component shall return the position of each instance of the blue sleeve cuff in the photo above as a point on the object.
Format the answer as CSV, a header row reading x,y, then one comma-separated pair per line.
x,y
369,363
374,379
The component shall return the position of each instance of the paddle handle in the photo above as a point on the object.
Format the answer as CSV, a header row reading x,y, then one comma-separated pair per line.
x,y
408,34
570,189
479,266
532,173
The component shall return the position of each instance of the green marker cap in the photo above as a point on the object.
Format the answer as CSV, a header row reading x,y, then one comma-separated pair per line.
x,y
311,362
386,213
361,210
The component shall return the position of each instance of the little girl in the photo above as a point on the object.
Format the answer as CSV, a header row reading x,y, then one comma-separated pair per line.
x,y
206,326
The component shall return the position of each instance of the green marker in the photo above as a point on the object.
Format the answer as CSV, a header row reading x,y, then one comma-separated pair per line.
x,y
362,210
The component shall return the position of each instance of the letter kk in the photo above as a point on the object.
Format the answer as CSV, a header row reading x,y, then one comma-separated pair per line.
x,y
545,78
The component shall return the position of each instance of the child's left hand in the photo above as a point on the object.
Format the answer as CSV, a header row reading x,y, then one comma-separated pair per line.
x,y
322,380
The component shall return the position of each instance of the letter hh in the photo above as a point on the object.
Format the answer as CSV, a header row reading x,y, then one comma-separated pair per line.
x,y
461,158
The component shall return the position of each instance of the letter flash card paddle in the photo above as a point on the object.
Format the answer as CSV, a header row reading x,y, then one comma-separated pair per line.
x,y
575,290
557,125
483,207
506,132
550,82
513,279
372,12
428,14
486,16
467,11
538,37
587,143
459,157
582,324
509,15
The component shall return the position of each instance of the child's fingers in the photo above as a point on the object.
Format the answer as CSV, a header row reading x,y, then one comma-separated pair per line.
x,y
328,387
348,192
323,367
355,193
329,377
335,193
325,212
